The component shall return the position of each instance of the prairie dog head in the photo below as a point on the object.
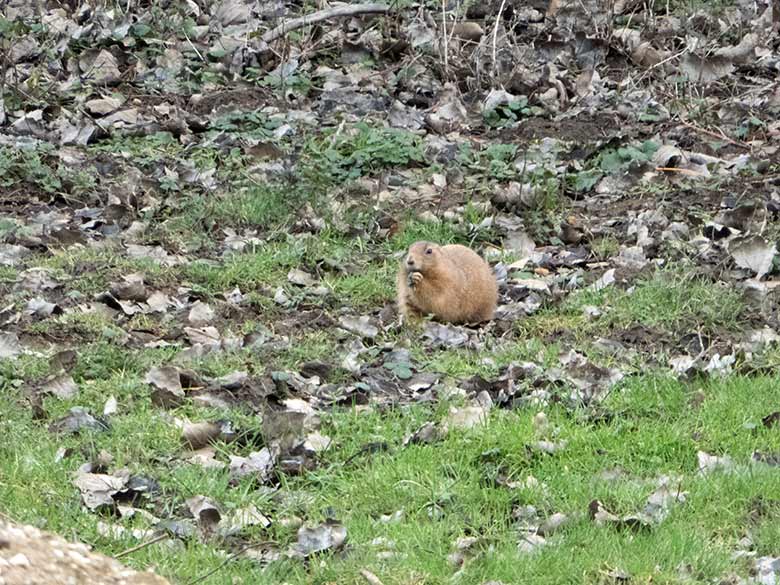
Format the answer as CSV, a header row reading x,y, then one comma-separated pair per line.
x,y
422,257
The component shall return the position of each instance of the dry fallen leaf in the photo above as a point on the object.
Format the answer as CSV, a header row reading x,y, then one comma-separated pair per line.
x,y
205,511
362,326
260,464
62,386
753,253
709,463
167,389
314,539
97,489
201,434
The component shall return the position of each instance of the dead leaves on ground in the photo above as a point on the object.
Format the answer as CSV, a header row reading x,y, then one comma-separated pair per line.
x,y
596,134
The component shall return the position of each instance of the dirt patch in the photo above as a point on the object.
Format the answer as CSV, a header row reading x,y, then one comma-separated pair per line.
x,y
31,557
579,130
236,99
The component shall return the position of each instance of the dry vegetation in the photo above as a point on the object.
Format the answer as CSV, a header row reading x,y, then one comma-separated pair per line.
x,y
203,206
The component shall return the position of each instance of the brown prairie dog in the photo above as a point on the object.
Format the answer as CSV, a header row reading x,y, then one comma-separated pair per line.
x,y
450,282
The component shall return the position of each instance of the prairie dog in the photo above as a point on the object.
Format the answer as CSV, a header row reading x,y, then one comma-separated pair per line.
x,y
450,282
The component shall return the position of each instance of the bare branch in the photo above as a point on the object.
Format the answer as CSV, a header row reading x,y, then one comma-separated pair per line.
x,y
337,12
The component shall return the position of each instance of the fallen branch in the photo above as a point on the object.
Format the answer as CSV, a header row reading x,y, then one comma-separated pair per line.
x,y
157,538
320,15
715,135
228,560
679,170
370,577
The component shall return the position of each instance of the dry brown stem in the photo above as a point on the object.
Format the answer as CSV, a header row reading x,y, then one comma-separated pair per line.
x,y
315,17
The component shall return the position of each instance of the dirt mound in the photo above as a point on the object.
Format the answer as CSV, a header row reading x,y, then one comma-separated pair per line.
x,y
29,556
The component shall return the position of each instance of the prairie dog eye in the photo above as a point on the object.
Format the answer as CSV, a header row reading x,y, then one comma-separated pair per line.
x,y
429,251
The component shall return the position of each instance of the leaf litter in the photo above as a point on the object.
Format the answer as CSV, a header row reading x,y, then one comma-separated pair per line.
x,y
604,137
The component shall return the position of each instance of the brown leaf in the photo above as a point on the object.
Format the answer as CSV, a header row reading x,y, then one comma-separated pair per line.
x,y
205,511
97,489
62,386
166,381
330,535
771,420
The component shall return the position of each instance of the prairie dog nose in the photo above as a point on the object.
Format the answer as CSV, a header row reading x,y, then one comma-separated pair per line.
x,y
409,261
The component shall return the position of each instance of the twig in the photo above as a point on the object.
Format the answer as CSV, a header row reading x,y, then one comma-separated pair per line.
x,y
157,538
495,36
445,40
7,518
370,577
193,47
315,17
677,170
219,567
720,136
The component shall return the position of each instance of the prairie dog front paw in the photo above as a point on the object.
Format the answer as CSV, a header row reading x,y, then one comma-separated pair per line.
x,y
414,278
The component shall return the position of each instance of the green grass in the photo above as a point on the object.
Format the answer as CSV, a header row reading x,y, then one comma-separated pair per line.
x,y
93,270
446,489
649,425
668,301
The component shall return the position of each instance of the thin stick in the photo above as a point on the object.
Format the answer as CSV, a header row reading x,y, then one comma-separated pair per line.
x,y
676,170
194,48
226,561
495,36
720,136
444,37
370,577
315,17
157,538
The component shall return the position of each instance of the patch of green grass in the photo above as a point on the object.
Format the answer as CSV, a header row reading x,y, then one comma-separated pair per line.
x,y
678,302
262,206
312,346
92,270
444,490
456,363
267,266
551,321
605,247
451,481
668,299
267,210
368,290
8,275
144,150
462,363
416,230
79,325
24,367
344,154
103,361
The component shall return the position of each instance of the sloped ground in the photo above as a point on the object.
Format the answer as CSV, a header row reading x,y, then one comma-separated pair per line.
x,y
32,557
200,359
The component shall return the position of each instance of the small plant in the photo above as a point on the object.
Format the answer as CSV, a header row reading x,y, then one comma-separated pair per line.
x,y
145,150
297,82
612,161
252,124
497,161
605,247
346,155
748,126
508,113
29,166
